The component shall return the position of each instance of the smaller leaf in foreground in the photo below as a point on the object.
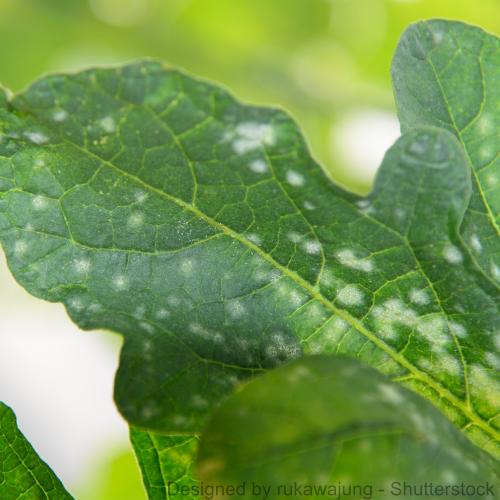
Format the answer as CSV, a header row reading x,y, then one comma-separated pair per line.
x,y
330,423
23,475
167,464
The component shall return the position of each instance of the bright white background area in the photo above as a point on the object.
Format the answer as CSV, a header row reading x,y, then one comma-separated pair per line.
x,y
59,381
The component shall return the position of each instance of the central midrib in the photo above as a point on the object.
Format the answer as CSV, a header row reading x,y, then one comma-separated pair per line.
x,y
466,410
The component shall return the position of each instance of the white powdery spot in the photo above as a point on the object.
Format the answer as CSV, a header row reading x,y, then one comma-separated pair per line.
x,y
293,236
391,394
120,283
36,137
252,135
348,258
295,178
187,266
309,206
162,313
60,115
475,244
39,163
76,304
140,196
173,301
180,420
350,295
198,401
39,203
259,167
311,247
420,297
197,329
434,329
484,385
254,238
278,348
108,124
495,271
365,206
453,255
458,329
449,363
394,311
448,477
140,311
235,309
493,360
148,327
135,221
20,247
82,266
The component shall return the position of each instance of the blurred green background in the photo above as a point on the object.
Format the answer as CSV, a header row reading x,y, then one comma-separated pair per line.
x,y
325,61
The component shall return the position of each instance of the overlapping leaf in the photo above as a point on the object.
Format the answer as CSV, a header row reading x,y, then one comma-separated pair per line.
x,y
324,427
446,73
23,475
157,206
167,464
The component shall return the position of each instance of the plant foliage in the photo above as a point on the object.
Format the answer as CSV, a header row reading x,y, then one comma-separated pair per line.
x,y
155,205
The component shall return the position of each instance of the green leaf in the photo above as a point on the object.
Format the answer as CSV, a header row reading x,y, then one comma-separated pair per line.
x,y
329,422
155,205
23,475
167,464
445,73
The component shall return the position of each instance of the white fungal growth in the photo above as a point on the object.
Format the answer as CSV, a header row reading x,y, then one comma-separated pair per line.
x,y
458,329
60,115
39,163
254,238
162,313
259,167
148,327
449,363
40,203
309,206
394,311
140,311
348,258
198,401
140,196
453,255
420,297
293,236
187,266
495,271
279,348
235,309
82,266
475,243
108,124
485,384
251,135
295,178
350,295
20,247
180,420
135,221
36,137
311,247
173,301
493,360
120,283
434,328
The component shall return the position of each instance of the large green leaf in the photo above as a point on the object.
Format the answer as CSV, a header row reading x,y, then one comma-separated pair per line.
x,y
155,205
446,73
23,475
167,464
321,427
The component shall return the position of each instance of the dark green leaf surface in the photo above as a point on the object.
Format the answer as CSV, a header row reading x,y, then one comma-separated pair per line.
x,y
22,474
324,422
155,205
164,460
446,74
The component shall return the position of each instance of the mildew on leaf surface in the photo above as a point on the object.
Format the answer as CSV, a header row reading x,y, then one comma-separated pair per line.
x,y
155,205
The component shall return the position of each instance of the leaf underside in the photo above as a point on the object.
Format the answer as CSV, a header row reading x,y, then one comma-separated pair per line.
x,y
326,422
155,205
23,475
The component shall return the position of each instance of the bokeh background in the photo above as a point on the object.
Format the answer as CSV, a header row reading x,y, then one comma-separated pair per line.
x,y
325,61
